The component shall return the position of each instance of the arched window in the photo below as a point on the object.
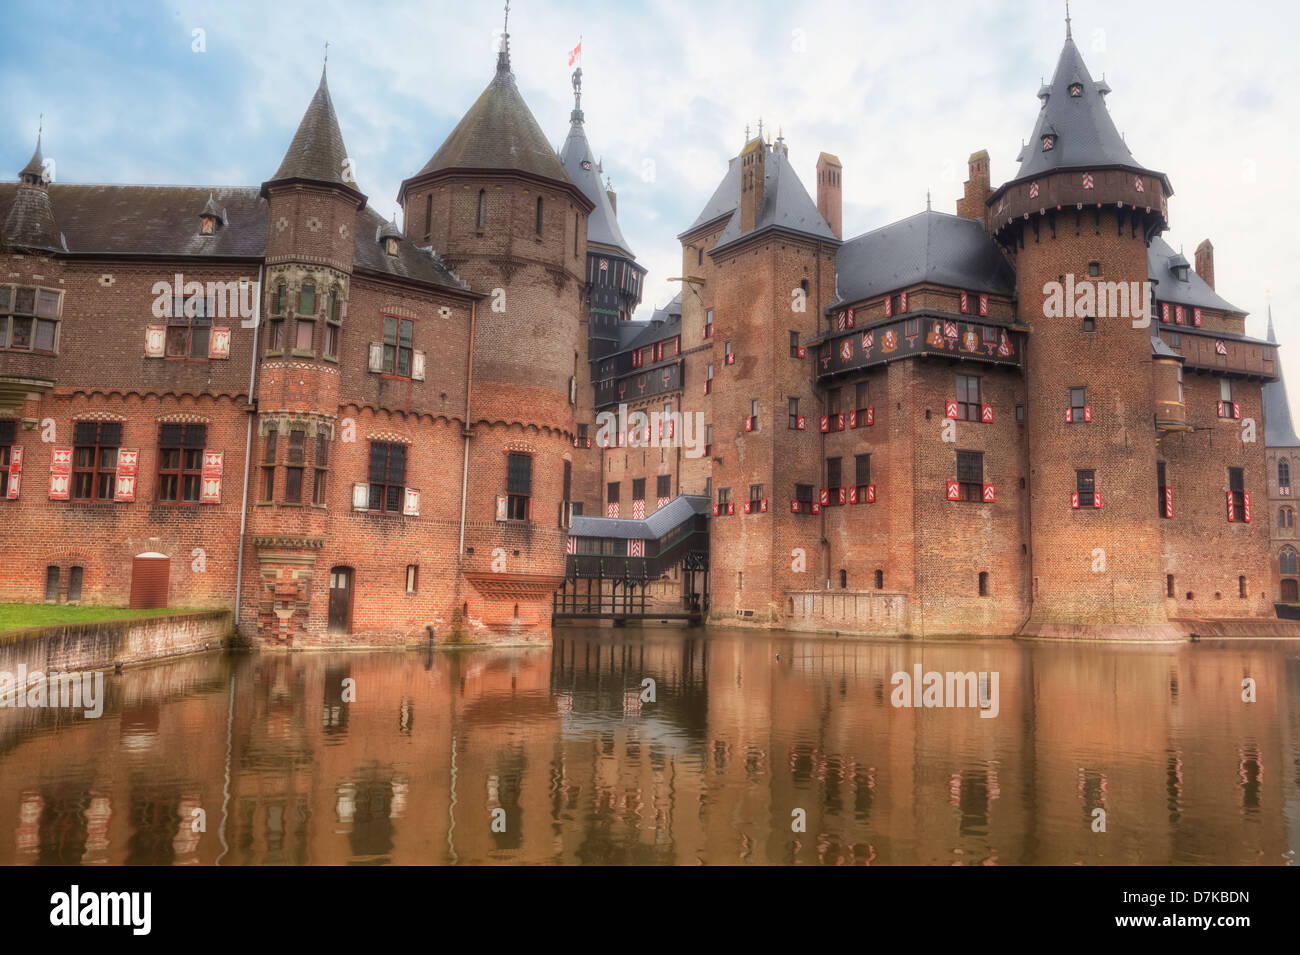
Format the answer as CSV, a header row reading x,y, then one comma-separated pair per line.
x,y
1283,473
1286,561
482,208
539,215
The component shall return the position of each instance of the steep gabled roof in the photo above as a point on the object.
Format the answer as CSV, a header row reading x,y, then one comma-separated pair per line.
x,y
786,203
724,201
1279,432
929,247
1193,290
124,220
1085,135
317,153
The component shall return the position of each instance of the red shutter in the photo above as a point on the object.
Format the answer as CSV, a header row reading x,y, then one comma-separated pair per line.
x,y
950,409
1220,409
825,497
802,423
839,422
853,419
965,304
1236,409
989,496
954,491
871,494
889,307
1087,412
15,473
986,414
853,495
731,507
794,507
1096,499
1169,502
1232,511
747,507
871,416
1074,499
762,506
826,424
984,304
902,302
1069,415
1245,507
843,496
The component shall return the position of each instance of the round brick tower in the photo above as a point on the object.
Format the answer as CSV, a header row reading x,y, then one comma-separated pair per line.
x,y
1077,220
497,205
312,204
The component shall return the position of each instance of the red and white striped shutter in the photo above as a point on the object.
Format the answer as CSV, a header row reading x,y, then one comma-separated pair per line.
x,y
1232,511
954,491
1245,507
1169,502
853,419
889,307
825,423
1087,413
825,496
902,302
571,545
871,416
986,414
128,461
611,509
1196,317
1096,499
853,495
1220,408
984,305
411,506
844,496
662,502
839,421
871,494
60,473
802,423
638,510
155,340
636,548
1164,312
989,494
1074,499
1236,409
1178,315
219,343
850,315
950,409
965,303
15,473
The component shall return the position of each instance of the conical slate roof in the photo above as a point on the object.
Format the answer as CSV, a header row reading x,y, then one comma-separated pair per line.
x,y
30,223
602,223
317,152
1085,134
499,132
1279,432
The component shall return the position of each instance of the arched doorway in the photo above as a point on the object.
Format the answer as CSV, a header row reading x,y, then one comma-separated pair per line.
x,y
341,588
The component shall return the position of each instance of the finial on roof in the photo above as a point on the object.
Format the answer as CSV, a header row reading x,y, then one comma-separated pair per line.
x,y
327,56
503,55
927,200
34,171
1067,20
747,132
760,127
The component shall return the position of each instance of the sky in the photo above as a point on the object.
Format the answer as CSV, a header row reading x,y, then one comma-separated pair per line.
x,y
902,93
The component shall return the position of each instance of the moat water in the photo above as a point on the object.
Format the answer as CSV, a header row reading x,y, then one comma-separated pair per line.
x,y
551,755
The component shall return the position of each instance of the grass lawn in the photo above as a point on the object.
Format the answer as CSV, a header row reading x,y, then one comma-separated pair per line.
x,y
23,616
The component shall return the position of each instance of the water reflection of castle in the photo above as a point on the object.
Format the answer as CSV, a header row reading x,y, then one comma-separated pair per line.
x,y
410,772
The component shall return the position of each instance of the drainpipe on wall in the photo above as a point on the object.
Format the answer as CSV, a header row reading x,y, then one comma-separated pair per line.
x,y
469,385
248,446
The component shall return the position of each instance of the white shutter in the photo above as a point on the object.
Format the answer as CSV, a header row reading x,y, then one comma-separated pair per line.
x,y
155,337
411,508
502,510
377,356
417,366
360,496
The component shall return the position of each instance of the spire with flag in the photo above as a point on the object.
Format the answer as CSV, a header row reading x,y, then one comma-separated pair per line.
x,y
575,55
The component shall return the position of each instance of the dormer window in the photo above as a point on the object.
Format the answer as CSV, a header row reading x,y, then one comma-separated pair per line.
x,y
211,218
390,246
1049,143
1076,89
209,225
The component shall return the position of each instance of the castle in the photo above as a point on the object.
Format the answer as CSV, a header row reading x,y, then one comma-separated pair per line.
x,y
1033,416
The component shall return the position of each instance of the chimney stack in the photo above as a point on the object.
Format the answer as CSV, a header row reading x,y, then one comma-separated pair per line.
x,y
975,191
753,174
829,193
1205,262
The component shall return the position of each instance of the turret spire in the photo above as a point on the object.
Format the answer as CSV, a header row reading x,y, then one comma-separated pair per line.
x,y
1067,20
503,55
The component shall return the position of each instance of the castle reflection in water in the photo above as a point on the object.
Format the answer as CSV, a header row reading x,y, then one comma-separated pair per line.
x,y
711,771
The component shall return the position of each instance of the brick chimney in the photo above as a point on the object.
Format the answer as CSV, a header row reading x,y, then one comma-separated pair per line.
x,y
830,193
753,173
976,188
1205,262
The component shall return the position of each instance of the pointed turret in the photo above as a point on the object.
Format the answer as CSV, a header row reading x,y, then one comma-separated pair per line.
x,y
317,153
30,223
584,170
1279,432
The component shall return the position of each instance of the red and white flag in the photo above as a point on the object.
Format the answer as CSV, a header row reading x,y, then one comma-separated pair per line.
x,y
575,54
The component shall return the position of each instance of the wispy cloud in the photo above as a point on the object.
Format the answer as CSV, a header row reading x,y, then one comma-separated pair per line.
x,y
902,93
